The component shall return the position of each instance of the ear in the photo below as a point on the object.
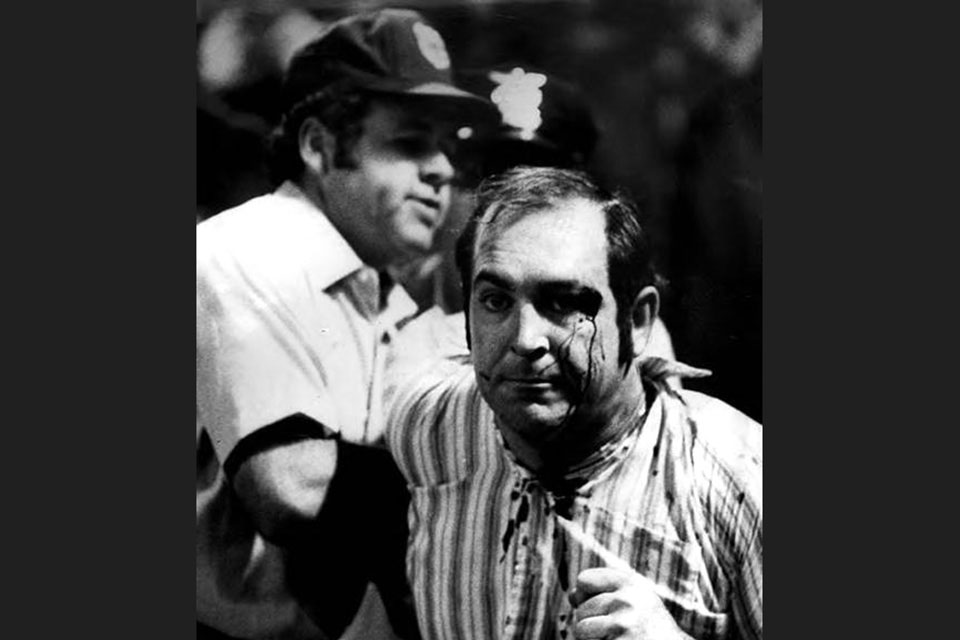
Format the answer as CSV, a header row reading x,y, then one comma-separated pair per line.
x,y
645,308
316,145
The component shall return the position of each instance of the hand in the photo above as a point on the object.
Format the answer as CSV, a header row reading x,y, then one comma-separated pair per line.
x,y
616,604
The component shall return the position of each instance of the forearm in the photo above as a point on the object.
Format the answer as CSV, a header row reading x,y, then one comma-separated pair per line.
x,y
283,488
359,536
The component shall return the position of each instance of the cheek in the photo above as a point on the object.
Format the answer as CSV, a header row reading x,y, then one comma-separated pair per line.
x,y
390,198
384,185
584,346
397,177
446,202
487,343
606,354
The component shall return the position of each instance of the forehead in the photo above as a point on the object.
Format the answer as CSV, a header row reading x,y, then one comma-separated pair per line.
x,y
564,242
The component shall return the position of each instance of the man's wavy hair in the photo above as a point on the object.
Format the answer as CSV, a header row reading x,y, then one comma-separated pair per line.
x,y
340,107
524,190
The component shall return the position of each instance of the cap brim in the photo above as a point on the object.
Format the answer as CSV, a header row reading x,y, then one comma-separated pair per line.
x,y
448,102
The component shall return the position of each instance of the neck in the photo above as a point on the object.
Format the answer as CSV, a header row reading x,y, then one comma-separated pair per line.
x,y
361,244
308,183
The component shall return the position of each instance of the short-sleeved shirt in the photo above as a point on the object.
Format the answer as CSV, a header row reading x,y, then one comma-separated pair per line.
x,y
678,497
289,321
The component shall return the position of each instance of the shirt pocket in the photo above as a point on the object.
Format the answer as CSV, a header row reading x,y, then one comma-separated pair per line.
x,y
676,565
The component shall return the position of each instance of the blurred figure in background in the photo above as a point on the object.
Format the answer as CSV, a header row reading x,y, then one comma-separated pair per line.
x,y
242,51
299,506
716,211
231,151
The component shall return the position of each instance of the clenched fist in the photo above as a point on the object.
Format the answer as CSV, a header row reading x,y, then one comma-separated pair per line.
x,y
616,604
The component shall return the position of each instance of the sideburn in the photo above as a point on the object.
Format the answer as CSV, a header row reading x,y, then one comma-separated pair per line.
x,y
625,350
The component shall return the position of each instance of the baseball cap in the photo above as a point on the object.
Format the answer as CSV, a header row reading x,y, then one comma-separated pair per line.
x,y
544,120
390,51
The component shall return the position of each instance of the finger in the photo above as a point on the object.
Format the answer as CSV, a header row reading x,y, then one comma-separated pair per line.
x,y
596,628
576,597
601,580
598,605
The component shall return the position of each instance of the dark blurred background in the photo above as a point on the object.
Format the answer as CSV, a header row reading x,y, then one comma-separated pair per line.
x,y
675,87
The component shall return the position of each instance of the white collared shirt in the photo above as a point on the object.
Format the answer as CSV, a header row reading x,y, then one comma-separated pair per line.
x,y
288,321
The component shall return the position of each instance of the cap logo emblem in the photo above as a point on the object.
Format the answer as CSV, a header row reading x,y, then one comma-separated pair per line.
x,y
431,45
518,97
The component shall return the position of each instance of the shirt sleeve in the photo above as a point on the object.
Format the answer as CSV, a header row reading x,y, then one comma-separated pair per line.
x,y
729,460
259,358
748,585
424,343
427,417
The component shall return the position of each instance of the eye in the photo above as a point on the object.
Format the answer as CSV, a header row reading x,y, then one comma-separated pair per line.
x,y
494,301
565,304
414,145
450,146
561,304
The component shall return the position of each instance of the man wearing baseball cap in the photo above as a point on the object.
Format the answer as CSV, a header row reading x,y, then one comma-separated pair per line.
x,y
298,505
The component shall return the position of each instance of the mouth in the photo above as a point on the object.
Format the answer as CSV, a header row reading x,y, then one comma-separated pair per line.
x,y
531,383
531,391
427,209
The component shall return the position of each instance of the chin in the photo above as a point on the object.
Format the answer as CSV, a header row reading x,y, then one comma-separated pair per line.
x,y
533,420
419,243
413,250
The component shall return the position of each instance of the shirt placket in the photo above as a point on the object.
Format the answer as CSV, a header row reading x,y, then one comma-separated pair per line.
x,y
530,613
517,547
374,426
575,508
385,325
367,293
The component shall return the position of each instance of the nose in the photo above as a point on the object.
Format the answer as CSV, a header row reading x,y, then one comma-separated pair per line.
x,y
531,338
436,170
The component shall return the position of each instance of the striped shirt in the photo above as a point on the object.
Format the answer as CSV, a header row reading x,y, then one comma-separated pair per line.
x,y
492,554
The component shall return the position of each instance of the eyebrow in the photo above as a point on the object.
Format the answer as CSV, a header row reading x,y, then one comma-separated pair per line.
x,y
491,278
566,286
585,298
418,123
550,287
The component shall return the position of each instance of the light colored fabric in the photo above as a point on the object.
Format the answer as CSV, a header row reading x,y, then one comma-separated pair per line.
x,y
288,321
678,498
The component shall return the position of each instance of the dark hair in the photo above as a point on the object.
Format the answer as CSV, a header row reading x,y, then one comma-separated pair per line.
x,y
340,107
524,190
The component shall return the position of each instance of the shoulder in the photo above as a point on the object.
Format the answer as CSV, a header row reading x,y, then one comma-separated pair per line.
x,y
721,426
727,440
236,225
433,392
277,236
726,452
435,422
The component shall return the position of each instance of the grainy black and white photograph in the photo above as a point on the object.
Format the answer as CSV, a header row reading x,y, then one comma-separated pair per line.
x,y
479,292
